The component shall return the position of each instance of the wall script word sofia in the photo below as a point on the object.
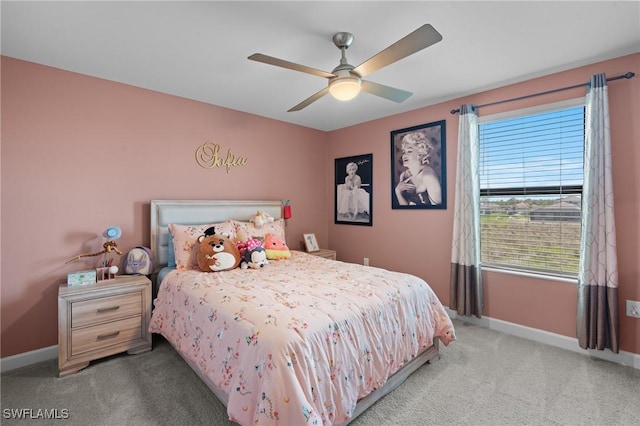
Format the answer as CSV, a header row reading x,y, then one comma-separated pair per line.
x,y
208,156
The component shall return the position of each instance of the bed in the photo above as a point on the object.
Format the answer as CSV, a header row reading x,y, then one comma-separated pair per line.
x,y
305,340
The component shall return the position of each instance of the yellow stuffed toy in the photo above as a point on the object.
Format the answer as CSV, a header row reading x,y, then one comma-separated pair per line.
x,y
259,219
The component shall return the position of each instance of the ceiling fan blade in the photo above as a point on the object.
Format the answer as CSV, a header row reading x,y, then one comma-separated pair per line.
x,y
311,99
259,57
421,38
386,92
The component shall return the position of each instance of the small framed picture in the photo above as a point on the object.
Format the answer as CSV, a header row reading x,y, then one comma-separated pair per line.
x,y
310,242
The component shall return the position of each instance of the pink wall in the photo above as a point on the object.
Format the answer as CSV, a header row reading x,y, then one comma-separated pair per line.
x,y
424,237
80,153
76,156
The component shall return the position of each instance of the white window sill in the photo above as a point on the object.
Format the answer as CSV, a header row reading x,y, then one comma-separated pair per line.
x,y
531,275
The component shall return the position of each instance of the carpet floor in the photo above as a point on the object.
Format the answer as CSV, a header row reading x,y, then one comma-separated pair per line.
x,y
483,378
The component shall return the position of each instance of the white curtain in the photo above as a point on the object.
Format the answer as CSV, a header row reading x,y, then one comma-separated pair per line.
x,y
466,276
598,275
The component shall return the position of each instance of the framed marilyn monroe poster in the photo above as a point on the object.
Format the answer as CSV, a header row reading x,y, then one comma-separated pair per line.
x,y
354,189
418,167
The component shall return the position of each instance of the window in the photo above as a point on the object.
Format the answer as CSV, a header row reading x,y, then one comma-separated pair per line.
x,y
531,173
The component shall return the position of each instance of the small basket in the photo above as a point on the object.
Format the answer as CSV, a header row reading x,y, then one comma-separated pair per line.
x,y
103,274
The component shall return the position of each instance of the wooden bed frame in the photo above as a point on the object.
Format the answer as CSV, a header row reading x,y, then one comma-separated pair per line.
x,y
192,212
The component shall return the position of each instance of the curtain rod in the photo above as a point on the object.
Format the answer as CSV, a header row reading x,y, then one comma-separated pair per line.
x,y
626,75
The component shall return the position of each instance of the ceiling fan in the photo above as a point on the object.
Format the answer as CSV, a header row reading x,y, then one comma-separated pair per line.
x,y
345,81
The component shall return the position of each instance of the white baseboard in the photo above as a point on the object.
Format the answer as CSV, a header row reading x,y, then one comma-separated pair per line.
x,y
27,358
624,358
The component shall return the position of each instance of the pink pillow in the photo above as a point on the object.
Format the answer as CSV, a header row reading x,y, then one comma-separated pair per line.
x,y
185,241
246,230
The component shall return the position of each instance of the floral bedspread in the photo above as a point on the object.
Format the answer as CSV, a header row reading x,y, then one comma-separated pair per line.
x,y
301,340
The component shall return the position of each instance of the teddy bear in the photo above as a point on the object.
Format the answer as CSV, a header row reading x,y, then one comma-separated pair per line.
x,y
217,252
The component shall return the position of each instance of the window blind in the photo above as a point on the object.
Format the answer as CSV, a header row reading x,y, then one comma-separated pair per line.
x,y
531,174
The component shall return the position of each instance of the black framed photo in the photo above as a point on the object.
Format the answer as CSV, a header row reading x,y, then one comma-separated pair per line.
x,y
354,190
418,167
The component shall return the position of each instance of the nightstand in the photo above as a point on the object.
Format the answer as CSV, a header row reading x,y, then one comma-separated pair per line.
x,y
326,253
98,320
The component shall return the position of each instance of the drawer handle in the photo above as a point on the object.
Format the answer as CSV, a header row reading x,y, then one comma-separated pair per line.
x,y
108,336
112,308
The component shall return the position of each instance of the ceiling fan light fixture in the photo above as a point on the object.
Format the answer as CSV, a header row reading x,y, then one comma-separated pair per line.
x,y
345,81
344,88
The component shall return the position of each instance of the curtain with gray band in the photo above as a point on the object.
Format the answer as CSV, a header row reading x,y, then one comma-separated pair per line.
x,y
598,326
466,277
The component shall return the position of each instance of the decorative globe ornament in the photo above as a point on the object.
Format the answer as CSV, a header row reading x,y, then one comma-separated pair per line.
x,y
113,232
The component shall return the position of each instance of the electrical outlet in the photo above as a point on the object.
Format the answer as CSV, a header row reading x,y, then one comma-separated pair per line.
x,y
633,309
366,261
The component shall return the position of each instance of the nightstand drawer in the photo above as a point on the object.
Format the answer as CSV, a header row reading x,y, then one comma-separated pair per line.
x,y
103,335
102,319
89,312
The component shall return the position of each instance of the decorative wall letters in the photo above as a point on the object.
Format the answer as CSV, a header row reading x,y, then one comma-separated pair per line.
x,y
208,156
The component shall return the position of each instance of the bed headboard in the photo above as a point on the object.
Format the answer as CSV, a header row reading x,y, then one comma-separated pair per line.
x,y
194,212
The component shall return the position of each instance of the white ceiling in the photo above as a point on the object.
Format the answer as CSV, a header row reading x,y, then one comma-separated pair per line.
x,y
198,50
